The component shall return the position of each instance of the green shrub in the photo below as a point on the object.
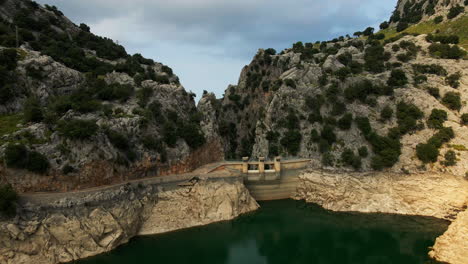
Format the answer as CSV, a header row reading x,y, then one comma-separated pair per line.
x,y
16,156
345,122
118,139
452,100
37,163
397,78
328,159
143,95
291,83
438,19
437,118
407,117
170,134
402,26
464,119
443,136
8,198
343,73
9,59
291,141
345,58
338,109
328,134
167,70
450,158
33,110
314,136
360,91
434,91
363,125
374,57
115,92
404,57
427,153
350,159
429,69
387,113
455,11
324,146
67,169
363,152
192,134
384,25
446,51
35,73
387,151
77,129
453,80
451,39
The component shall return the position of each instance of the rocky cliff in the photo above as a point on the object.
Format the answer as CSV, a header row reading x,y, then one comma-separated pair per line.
x,y
430,194
412,12
83,225
380,101
77,111
452,246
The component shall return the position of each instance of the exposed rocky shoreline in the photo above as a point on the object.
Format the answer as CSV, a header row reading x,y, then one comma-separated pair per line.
x,y
430,194
75,228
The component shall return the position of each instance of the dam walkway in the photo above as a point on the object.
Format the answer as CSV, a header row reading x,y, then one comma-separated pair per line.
x,y
265,180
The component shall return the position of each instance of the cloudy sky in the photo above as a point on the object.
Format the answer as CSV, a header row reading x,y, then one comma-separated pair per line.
x,y
207,42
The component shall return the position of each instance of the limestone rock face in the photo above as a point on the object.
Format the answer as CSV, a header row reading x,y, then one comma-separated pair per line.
x,y
50,230
294,92
196,206
437,195
452,246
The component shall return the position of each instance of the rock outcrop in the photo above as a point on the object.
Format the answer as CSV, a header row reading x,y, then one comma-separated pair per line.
x,y
452,246
85,225
430,194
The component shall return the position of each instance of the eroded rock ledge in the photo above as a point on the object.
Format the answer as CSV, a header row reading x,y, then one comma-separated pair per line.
x,y
80,227
430,194
452,246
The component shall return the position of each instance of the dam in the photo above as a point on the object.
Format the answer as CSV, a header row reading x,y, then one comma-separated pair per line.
x,y
266,180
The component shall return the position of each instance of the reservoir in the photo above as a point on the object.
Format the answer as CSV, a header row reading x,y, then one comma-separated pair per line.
x,y
287,232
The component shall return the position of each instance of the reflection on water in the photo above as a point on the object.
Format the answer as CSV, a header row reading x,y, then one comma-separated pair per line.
x,y
288,232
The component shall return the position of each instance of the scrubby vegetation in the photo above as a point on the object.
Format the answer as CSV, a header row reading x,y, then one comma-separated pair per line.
x,y
19,157
453,80
450,158
464,119
446,51
437,118
350,159
8,198
452,100
77,129
429,152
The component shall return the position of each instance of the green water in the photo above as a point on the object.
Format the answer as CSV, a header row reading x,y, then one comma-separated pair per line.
x,y
284,232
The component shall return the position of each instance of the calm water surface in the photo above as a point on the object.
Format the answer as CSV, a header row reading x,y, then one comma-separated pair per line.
x,y
288,232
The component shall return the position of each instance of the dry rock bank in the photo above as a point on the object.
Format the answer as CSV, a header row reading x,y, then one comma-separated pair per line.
x,y
74,228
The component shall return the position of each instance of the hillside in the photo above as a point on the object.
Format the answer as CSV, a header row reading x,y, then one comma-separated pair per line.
x,y
383,101
76,110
